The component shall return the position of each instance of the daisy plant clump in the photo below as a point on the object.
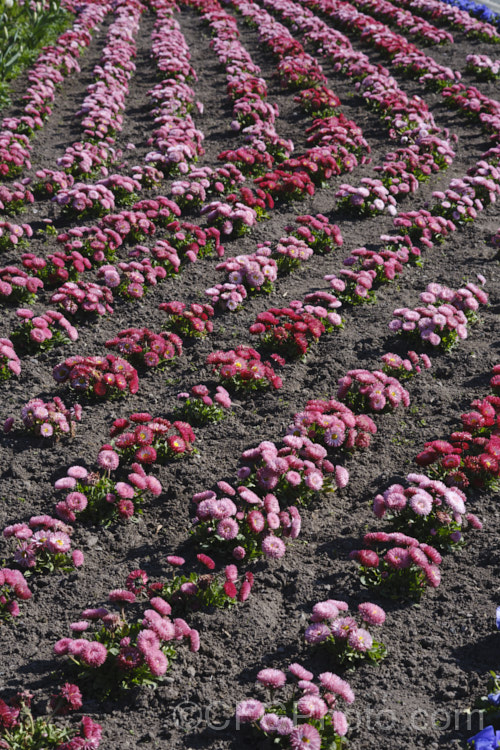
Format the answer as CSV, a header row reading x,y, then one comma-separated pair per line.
x,y
370,199
37,333
144,348
401,565
242,369
296,473
20,728
16,286
428,509
113,649
192,242
423,228
291,331
15,197
99,497
318,101
231,219
372,391
43,545
47,419
367,270
10,363
98,377
444,319
13,589
240,522
321,236
83,298
300,713
257,272
13,236
148,440
285,186
192,322
229,297
289,253
81,200
131,280
407,367
472,455
199,408
123,188
346,640
483,67
495,380
191,591
333,425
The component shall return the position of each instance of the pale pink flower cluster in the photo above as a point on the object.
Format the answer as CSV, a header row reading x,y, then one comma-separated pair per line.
x,y
47,419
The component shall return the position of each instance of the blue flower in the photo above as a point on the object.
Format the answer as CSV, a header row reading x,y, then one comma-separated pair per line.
x,y
494,698
486,739
498,618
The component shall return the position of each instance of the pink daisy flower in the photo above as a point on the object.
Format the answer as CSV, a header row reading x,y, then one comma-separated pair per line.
x,y
147,641
312,706
339,722
269,723
175,560
273,547
305,737
317,633
157,662
94,654
300,672
398,558
249,710
272,678
371,613
228,528
284,726
121,595
326,610
108,460
360,640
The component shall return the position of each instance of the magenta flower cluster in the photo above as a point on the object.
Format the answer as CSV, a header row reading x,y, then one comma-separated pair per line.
x,y
43,544
13,236
444,318
428,508
306,721
40,332
98,496
333,425
18,286
121,652
402,564
10,363
13,589
247,524
193,321
84,297
346,640
47,419
198,406
98,377
143,347
243,369
296,472
150,440
372,391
